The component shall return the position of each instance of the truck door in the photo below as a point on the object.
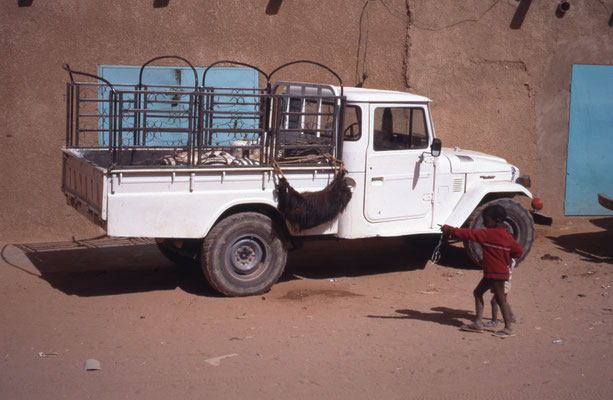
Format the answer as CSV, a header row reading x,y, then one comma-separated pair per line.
x,y
399,167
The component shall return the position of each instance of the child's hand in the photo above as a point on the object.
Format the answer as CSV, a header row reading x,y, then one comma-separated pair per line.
x,y
447,230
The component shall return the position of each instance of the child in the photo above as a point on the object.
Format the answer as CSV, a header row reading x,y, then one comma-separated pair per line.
x,y
498,248
507,288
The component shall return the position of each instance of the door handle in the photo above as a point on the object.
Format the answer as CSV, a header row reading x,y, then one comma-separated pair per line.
x,y
377,179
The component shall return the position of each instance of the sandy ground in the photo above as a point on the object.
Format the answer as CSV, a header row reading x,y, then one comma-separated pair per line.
x,y
348,320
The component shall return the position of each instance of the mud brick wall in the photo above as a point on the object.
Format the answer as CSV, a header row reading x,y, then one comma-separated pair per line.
x,y
498,72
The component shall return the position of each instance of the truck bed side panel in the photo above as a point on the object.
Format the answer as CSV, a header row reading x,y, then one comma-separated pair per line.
x,y
84,186
187,204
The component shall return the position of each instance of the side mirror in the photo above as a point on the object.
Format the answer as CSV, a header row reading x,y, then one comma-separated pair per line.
x,y
436,147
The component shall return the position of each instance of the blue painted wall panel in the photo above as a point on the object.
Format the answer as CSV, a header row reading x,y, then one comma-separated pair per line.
x,y
217,76
244,78
589,168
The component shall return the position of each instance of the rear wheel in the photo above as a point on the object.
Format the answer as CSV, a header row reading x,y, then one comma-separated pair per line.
x,y
244,254
519,223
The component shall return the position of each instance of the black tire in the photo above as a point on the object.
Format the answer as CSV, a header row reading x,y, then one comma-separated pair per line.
x,y
188,255
244,254
519,222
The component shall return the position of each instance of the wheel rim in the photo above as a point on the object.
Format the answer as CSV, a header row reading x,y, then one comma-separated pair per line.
x,y
247,254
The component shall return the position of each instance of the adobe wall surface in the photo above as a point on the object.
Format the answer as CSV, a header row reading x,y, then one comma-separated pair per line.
x,y
495,88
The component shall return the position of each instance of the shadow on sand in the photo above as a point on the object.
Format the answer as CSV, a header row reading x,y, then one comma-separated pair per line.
x,y
333,258
596,247
109,266
440,315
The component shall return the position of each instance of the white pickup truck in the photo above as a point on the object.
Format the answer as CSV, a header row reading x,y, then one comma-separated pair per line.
x,y
196,168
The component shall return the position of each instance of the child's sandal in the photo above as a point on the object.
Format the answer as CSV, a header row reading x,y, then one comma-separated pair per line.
x,y
503,334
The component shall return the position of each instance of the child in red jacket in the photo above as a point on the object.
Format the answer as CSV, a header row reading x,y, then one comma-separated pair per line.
x,y
498,248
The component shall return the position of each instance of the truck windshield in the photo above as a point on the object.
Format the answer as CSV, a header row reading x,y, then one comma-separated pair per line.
x,y
400,128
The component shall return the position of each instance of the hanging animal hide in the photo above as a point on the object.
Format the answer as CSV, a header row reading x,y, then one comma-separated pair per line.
x,y
309,209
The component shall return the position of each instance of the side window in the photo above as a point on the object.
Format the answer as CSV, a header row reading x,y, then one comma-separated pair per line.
x,y
352,128
295,106
327,119
400,128
307,116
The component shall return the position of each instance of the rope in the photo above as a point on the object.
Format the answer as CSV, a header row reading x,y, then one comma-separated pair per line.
x,y
337,164
277,169
298,159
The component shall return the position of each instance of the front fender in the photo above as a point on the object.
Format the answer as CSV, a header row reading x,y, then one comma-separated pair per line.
x,y
471,199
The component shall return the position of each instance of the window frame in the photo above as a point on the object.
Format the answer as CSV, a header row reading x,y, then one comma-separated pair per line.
x,y
378,139
359,122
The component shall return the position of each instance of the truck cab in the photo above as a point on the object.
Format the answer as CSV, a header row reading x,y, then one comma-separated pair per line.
x,y
390,161
403,182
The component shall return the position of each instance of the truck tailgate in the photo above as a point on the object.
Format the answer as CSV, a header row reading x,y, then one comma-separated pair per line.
x,y
84,185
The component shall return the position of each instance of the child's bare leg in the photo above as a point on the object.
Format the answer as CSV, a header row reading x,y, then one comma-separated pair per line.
x,y
494,321
494,305
481,288
498,288
478,310
510,310
495,312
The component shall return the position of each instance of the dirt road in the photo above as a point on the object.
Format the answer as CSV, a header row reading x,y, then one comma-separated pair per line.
x,y
348,320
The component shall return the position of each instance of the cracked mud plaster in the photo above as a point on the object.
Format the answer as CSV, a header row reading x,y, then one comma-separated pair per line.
x,y
406,71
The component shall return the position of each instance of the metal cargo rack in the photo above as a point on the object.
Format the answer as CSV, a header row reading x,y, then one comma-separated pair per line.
x,y
174,126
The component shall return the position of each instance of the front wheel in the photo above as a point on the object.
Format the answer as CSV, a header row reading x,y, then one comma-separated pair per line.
x,y
519,223
243,254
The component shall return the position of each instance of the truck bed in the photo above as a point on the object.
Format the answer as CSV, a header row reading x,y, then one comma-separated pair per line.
x,y
168,161
174,201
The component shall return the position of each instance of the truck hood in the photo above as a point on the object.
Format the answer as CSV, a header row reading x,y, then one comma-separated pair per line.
x,y
468,161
